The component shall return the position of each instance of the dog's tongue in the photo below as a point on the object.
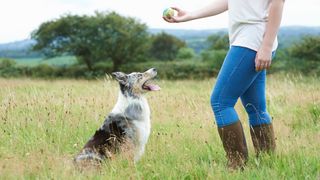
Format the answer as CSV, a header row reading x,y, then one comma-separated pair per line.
x,y
153,87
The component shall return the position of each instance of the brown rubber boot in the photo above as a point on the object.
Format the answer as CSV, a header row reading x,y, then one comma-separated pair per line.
x,y
263,138
234,144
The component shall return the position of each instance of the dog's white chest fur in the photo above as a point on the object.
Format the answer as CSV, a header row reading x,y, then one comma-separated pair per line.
x,y
140,119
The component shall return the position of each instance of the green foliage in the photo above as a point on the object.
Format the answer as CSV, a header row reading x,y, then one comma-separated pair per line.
x,y
217,50
301,66
7,63
214,57
197,44
185,53
165,46
103,36
44,70
188,69
279,62
50,72
218,42
7,68
307,49
302,57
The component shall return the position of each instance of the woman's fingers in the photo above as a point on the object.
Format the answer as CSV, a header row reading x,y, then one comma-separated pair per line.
x,y
268,65
257,64
177,9
264,66
263,58
169,19
260,65
165,18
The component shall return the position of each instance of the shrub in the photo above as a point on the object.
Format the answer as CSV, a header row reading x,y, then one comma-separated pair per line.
x,y
7,63
185,53
214,58
308,48
165,46
44,70
176,69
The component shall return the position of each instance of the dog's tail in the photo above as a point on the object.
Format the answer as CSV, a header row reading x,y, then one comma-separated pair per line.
x,y
88,155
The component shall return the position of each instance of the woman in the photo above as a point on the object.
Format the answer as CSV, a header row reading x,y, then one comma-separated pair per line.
x,y
253,27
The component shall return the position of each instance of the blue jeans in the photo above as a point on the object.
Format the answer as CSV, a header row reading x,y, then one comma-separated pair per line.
x,y
238,78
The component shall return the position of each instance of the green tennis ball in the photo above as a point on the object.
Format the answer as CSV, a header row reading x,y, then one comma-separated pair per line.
x,y
169,12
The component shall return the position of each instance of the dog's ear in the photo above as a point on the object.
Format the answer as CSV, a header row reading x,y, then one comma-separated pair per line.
x,y
120,77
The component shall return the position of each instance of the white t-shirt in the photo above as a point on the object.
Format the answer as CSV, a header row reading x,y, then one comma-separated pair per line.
x,y
247,23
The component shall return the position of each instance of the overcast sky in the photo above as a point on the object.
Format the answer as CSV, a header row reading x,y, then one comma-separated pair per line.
x,y
18,18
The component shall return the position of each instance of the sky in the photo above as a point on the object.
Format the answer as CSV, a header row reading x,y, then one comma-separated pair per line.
x,y
18,18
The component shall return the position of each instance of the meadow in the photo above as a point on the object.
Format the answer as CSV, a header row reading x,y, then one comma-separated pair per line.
x,y
44,123
56,61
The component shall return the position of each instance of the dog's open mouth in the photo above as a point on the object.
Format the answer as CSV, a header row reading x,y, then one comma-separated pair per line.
x,y
149,86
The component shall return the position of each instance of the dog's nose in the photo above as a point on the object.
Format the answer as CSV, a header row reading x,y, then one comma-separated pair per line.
x,y
154,69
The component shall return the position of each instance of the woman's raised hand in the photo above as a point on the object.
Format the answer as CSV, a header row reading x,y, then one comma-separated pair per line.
x,y
180,16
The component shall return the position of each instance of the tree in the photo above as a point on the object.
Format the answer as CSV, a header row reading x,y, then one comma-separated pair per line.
x,y
185,53
218,42
165,46
217,50
103,36
308,49
7,63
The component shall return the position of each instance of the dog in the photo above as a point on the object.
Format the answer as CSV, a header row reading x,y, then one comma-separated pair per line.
x,y
127,127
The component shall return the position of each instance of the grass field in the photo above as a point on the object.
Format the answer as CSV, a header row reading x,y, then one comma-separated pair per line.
x,y
45,123
57,61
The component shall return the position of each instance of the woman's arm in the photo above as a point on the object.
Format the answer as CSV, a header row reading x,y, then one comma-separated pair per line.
x,y
216,7
263,58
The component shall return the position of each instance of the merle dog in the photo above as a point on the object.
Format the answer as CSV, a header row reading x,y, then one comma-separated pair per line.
x,y
127,127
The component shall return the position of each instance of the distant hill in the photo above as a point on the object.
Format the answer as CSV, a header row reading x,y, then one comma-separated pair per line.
x,y
18,49
17,45
195,39
185,33
291,34
293,31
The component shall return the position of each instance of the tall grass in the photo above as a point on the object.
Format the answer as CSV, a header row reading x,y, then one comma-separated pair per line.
x,y
43,124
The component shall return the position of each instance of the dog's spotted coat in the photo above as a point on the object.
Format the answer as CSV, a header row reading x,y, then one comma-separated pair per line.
x,y
127,127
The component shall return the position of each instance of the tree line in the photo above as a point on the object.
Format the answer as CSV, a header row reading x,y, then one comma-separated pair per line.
x,y
106,42
104,37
